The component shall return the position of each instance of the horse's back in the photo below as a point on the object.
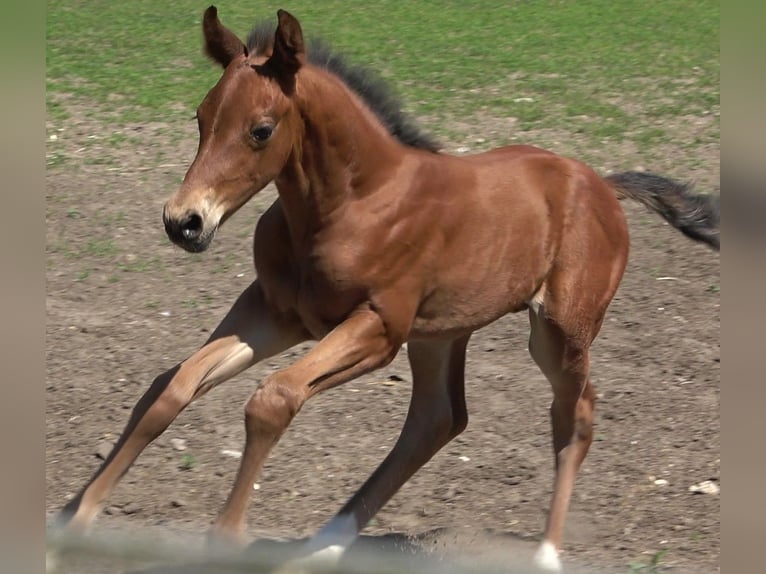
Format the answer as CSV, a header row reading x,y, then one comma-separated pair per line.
x,y
515,218
584,238
522,177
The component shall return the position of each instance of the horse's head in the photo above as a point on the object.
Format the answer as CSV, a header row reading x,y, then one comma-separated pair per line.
x,y
248,125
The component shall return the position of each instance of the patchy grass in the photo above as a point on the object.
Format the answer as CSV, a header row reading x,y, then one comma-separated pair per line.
x,y
188,462
652,566
104,247
141,265
608,71
82,275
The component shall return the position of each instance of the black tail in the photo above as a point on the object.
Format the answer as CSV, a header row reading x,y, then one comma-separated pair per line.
x,y
695,215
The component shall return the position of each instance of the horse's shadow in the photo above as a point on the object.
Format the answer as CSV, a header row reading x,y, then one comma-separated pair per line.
x,y
393,552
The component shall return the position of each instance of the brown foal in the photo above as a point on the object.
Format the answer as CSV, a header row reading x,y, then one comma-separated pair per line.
x,y
375,240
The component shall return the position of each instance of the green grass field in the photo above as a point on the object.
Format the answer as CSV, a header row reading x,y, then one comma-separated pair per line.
x,y
601,69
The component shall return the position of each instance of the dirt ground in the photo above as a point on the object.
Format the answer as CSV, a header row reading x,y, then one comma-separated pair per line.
x,y
123,305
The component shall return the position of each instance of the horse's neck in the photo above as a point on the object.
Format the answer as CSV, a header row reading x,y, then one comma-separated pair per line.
x,y
345,152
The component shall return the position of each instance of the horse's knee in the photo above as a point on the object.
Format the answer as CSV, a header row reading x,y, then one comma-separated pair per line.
x,y
168,405
584,411
575,415
272,406
167,396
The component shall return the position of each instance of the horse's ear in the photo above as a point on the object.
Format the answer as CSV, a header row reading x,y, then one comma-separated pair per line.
x,y
221,44
289,52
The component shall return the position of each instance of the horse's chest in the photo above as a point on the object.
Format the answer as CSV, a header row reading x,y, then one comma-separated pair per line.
x,y
319,282
327,294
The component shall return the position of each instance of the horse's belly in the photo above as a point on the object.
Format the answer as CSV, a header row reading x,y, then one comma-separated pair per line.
x,y
448,313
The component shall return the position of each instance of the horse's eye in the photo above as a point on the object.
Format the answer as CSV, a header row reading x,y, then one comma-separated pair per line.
x,y
261,133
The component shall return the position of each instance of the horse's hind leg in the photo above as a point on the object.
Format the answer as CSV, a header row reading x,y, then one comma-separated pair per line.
x,y
563,329
248,333
437,414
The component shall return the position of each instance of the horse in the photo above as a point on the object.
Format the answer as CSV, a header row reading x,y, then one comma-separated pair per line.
x,y
378,239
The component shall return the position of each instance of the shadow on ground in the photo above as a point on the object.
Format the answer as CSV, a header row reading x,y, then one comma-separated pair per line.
x,y
383,554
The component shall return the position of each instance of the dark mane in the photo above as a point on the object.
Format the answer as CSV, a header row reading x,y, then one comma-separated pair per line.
x,y
369,86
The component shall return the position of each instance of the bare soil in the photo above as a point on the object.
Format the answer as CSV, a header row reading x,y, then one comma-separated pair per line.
x,y
123,305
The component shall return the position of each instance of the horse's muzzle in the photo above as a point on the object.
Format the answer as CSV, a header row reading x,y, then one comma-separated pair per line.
x,y
187,232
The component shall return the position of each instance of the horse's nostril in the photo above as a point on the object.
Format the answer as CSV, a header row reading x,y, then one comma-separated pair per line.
x,y
183,230
191,227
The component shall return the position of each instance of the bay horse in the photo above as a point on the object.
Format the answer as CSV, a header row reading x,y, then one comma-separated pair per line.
x,y
378,239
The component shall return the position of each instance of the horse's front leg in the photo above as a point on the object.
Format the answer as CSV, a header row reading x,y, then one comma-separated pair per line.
x,y
251,331
360,344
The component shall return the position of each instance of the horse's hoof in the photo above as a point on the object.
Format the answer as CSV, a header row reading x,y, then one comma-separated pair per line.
x,y
224,541
51,561
324,560
547,558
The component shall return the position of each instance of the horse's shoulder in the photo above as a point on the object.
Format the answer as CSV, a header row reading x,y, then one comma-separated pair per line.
x,y
273,256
